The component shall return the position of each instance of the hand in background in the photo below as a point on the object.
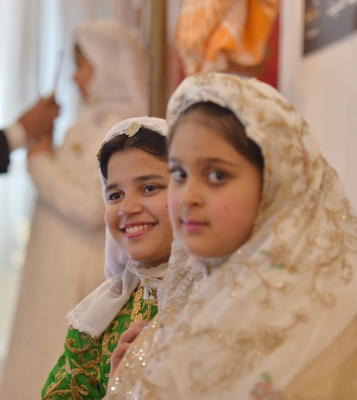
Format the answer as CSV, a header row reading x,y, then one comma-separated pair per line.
x,y
124,343
38,121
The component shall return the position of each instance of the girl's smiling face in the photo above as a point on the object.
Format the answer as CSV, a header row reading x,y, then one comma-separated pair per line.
x,y
136,214
214,191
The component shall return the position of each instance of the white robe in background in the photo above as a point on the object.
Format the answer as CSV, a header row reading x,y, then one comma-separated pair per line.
x,y
65,256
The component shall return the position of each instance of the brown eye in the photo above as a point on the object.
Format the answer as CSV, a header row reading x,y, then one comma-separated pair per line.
x,y
115,196
150,188
178,175
216,176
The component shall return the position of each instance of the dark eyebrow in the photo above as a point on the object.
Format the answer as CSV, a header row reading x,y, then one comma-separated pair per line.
x,y
142,178
212,160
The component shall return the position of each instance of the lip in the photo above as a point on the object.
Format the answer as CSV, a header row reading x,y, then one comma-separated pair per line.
x,y
191,225
129,235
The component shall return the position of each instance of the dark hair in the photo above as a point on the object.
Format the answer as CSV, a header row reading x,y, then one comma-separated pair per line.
x,y
232,129
145,139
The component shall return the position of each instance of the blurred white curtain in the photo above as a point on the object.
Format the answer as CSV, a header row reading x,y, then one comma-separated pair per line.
x,y
32,35
26,70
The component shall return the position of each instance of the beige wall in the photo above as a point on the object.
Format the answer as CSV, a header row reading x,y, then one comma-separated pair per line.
x,y
323,87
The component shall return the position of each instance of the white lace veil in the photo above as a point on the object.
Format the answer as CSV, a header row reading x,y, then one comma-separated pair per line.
x,y
283,297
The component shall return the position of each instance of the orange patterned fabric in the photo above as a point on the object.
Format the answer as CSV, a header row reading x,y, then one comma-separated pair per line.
x,y
211,33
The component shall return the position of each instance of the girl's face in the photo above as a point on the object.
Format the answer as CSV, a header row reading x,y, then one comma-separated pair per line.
x,y
214,191
137,215
83,73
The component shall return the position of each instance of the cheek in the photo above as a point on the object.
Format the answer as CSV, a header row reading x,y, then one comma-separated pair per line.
x,y
173,207
221,211
163,213
110,217
237,214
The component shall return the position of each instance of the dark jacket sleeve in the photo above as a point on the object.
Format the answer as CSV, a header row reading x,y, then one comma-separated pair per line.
x,y
4,152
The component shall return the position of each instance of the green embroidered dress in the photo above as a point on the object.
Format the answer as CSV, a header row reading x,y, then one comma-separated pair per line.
x,y
82,372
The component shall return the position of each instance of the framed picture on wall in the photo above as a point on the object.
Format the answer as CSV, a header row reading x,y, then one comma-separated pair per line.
x,y
326,21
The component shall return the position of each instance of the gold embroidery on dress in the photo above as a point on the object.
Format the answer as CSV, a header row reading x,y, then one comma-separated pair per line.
x,y
137,313
60,377
91,370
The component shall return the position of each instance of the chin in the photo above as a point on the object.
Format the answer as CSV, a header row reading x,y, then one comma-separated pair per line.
x,y
140,257
203,252
196,251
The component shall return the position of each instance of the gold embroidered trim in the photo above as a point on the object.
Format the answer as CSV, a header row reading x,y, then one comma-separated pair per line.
x,y
138,313
135,314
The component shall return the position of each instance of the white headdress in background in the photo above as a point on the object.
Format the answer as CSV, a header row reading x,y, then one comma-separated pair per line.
x,y
118,58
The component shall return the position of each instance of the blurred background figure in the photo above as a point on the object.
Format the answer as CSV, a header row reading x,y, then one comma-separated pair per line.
x,y
65,255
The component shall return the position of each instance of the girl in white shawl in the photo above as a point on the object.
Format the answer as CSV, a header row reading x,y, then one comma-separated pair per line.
x,y
272,314
66,250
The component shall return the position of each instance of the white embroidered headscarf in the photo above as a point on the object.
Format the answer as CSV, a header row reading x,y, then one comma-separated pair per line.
x,y
94,314
261,317
119,63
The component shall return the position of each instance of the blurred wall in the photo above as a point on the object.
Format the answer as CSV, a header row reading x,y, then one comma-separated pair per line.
x,y
323,87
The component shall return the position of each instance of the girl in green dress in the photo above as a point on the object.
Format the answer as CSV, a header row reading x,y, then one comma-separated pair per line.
x,y
134,174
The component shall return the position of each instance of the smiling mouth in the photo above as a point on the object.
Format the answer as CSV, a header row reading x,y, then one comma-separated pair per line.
x,y
137,228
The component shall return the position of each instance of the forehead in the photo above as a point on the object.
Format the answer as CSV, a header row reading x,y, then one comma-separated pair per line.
x,y
195,137
129,164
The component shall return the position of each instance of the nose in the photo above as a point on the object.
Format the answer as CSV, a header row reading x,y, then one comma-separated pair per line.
x,y
191,195
130,205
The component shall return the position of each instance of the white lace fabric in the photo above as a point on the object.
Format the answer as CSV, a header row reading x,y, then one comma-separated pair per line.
x,y
282,299
94,314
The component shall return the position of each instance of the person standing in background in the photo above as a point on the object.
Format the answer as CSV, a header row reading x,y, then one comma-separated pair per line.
x,y
66,250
